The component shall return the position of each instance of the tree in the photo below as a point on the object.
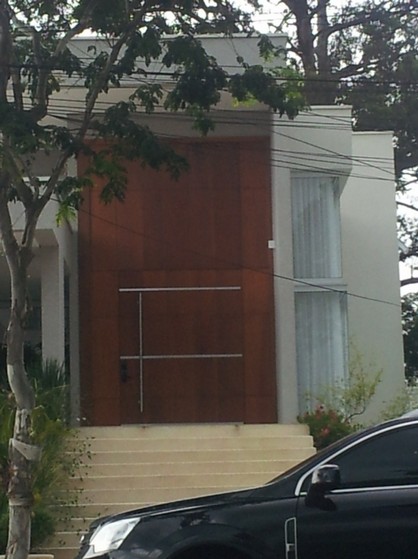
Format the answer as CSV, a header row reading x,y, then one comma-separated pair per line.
x,y
364,54
35,58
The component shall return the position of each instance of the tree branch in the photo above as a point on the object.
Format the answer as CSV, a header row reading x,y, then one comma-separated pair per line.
x,y
321,50
373,15
409,281
5,48
91,102
319,6
17,83
351,70
39,108
304,34
40,103
101,80
405,205
81,26
23,190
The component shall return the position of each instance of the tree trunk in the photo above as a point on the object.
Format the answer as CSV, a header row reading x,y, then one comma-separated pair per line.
x,y
20,489
319,89
21,452
323,91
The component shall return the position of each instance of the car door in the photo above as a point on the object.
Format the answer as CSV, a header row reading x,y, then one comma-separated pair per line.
x,y
373,514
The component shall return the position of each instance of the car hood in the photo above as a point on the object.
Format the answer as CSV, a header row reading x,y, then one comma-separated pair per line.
x,y
220,499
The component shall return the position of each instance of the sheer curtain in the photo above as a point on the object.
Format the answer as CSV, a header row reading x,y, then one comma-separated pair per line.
x,y
321,321
316,227
321,337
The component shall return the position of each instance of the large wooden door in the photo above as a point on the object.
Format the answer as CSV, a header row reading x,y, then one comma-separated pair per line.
x,y
176,296
181,354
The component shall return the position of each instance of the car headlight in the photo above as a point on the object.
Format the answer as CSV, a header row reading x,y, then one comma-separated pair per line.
x,y
109,536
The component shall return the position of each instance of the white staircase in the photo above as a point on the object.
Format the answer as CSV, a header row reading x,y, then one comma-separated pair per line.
x,y
134,466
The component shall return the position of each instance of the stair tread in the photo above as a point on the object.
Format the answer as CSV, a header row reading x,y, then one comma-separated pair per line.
x,y
194,460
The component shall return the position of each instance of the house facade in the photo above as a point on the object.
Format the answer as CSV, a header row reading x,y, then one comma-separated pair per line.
x,y
236,293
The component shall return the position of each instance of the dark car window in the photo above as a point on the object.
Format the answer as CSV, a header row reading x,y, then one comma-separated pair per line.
x,y
387,459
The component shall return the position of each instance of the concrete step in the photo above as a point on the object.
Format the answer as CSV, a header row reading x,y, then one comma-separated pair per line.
x,y
66,539
199,455
160,480
63,552
231,466
76,525
135,466
205,443
193,431
156,494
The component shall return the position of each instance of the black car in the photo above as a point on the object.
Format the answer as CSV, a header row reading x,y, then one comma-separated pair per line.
x,y
357,499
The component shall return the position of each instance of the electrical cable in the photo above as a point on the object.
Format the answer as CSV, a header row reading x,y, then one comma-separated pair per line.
x,y
297,281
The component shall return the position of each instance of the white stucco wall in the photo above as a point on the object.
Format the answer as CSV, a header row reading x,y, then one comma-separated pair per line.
x,y
370,263
322,141
226,50
316,141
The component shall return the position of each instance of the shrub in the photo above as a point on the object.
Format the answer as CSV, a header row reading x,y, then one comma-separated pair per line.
x,y
326,426
338,405
61,457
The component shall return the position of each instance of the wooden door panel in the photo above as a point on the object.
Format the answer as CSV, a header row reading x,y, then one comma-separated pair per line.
x,y
192,390
182,390
211,227
129,342
181,356
192,322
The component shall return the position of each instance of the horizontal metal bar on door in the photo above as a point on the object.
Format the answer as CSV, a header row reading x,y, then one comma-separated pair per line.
x,y
160,289
186,356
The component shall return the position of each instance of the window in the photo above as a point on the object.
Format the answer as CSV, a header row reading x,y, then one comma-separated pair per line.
x,y
316,227
385,460
320,299
321,337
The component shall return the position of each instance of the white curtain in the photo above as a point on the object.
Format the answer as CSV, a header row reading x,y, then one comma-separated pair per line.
x,y
321,339
316,227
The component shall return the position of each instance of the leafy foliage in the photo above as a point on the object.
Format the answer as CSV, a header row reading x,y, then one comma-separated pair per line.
x,y
353,398
41,59
326,426
62,456
333,416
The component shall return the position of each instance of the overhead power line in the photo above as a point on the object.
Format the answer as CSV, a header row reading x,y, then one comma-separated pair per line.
x,y
301,158
297,281
362,80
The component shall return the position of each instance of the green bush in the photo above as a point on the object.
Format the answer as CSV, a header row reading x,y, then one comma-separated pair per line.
x,y
336,406
61,458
